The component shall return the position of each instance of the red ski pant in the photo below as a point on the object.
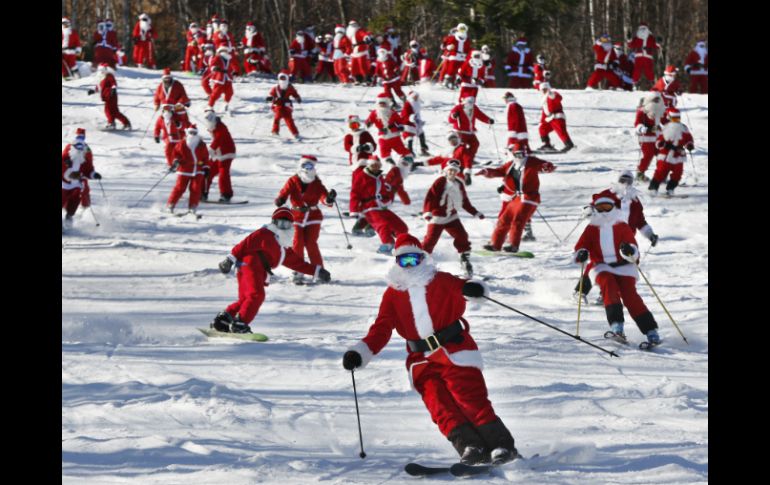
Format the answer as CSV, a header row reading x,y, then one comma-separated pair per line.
x,y
299,67
68,63
648,153
218,90
616,288
182,182
70,199
251,291
466,91
643,66
169,151
386,224
559,125
189,53
473,146
257,63
221,168
517,82
454,395
513,216
490,82
392,145
394,87
284,113
601,74
112,112
454,228
205,83
324,68
359,66
143,53
341,70
449,70
85,195
699,83
664,168
307,238
104,54
410,75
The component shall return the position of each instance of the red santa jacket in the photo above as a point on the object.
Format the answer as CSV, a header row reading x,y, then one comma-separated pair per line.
x,y
175,94
282,98
387,71
603,57
489,78
411,119
146,35
172,130
76,165
668,90
191,161
633,212
221,39
388,128
222,144
552,108
602,238
325,51
253,44
643,48
342,46
395,178
457,49
222,70
517,123
369,192
360,43
697,64
523,180
108,40
460,122
471,76
70,44
427,68
304,200
649,133
353,140
262,248
518,63
416,313
672,142
443,200
538,70
461,152
108,87
300,50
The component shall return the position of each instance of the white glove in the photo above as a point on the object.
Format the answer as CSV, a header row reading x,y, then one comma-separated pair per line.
x,y
588,211
641,129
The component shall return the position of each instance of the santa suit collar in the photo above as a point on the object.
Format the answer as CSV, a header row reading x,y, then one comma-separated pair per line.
x,y
418,277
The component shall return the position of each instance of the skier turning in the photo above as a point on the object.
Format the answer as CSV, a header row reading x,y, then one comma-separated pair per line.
x,y
426,306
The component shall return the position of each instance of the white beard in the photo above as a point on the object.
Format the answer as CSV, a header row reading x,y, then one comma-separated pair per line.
x,y
351,33
606,218
192,141
654,110
701,51
460,37
285,237
225,56
419,276
211,123
673,132
476,63
383,114
468,110
167,117
643,34
66,31
306,176
145,26
452,196
223,29
283,85
416,105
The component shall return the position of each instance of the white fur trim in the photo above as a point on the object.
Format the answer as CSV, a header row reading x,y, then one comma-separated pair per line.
x,y
407,249
625,270
423,322
607,243
402,279
647,231
364,351
466,358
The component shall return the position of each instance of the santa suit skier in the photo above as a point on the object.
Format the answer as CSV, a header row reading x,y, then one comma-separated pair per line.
x,y
463,120
624,67
191,164
371,196
413,123
552,119
341,55
305,191
697,66
471,75
457,46
77,165
540,73
255,59
426,308
280,95
144,42
193,49
520,194
518,65
171,128
605,61
460,151
299,64
70,49
647,128
517,123
222,68
489,67
441,209
255,257
387,70
672,142
224,38
643,47
359,56
389,124
105,44
354,141
668,86
170,91
325,66
426,66
410,73
108,90
222,153
614,254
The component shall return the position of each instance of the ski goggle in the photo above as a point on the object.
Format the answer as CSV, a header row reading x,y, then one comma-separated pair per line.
x,y
79,146
307,166
283,224
626,180
604,207
409,260
355,125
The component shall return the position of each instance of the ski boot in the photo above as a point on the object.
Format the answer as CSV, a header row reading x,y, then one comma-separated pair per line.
x,y
510,248
473,455
468,179
616,332
297,278
641,177
359,227
68,222
225,199
653,338
490,247
239,327
385,249
546,147
109,126
222,322
568,145
204,196
577,296
369,232
528,236
503,455
127,127
466,264
170,208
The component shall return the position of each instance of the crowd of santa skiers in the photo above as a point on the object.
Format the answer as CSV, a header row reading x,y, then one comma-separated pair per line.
x,y
423,305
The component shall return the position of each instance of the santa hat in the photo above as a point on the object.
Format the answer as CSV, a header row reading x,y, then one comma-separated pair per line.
x,y
224,21
452,163
223,48
672,113
191,130
670,69
521,40
354,118
617,45
307,158
339,29
544,86
406,243
144,16
605,197
80,135
383,96
509,96
282,213
643,24
626,175
65,20
283,76
215,18
517,147
166,73
372,159
353,23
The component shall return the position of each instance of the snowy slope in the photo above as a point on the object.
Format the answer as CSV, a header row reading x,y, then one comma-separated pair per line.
x,y
147,399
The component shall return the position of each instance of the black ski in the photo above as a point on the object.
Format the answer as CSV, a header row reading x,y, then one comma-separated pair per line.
x,y
232,202
417,470
457,469
647,345
619,338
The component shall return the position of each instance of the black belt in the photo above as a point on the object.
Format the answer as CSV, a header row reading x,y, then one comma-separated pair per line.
x,y
619,263
452,333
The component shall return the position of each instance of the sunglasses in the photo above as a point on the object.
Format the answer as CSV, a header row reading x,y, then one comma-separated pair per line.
x,y
308,166
606,207
283,224
409,260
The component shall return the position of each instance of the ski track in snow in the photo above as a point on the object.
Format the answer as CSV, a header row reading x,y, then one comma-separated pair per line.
x,y
147,399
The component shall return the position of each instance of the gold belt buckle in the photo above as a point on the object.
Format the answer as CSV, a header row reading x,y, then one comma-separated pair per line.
x,y
432,346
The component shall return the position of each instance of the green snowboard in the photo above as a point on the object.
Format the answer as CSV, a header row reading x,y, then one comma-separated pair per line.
x,y
252,337
520,254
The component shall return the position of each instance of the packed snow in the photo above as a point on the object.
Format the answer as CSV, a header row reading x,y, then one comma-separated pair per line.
x,y
146,398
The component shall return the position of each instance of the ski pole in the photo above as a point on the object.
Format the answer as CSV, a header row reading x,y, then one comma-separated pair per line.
x,y
580,296
94,214
151,188
694,173
104,194
661,304
438,70
573,229
358,416
555,328
148,126
549,226
343,224
494,137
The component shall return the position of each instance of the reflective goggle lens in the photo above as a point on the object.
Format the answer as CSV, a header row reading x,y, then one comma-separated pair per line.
x,y
409,259
308,166
605,207
283,224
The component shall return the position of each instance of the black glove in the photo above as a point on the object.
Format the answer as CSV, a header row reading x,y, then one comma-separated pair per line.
x,y
269,99
324,276
157,139
331,196
687,69
455,115
351,360
654,239
491,122
359,148
226,265
96,176
91,91
291,52
629,36
626,249
581,256
279,201
473,289
500,189
174,166
690,147
68,162
206,171
669,146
